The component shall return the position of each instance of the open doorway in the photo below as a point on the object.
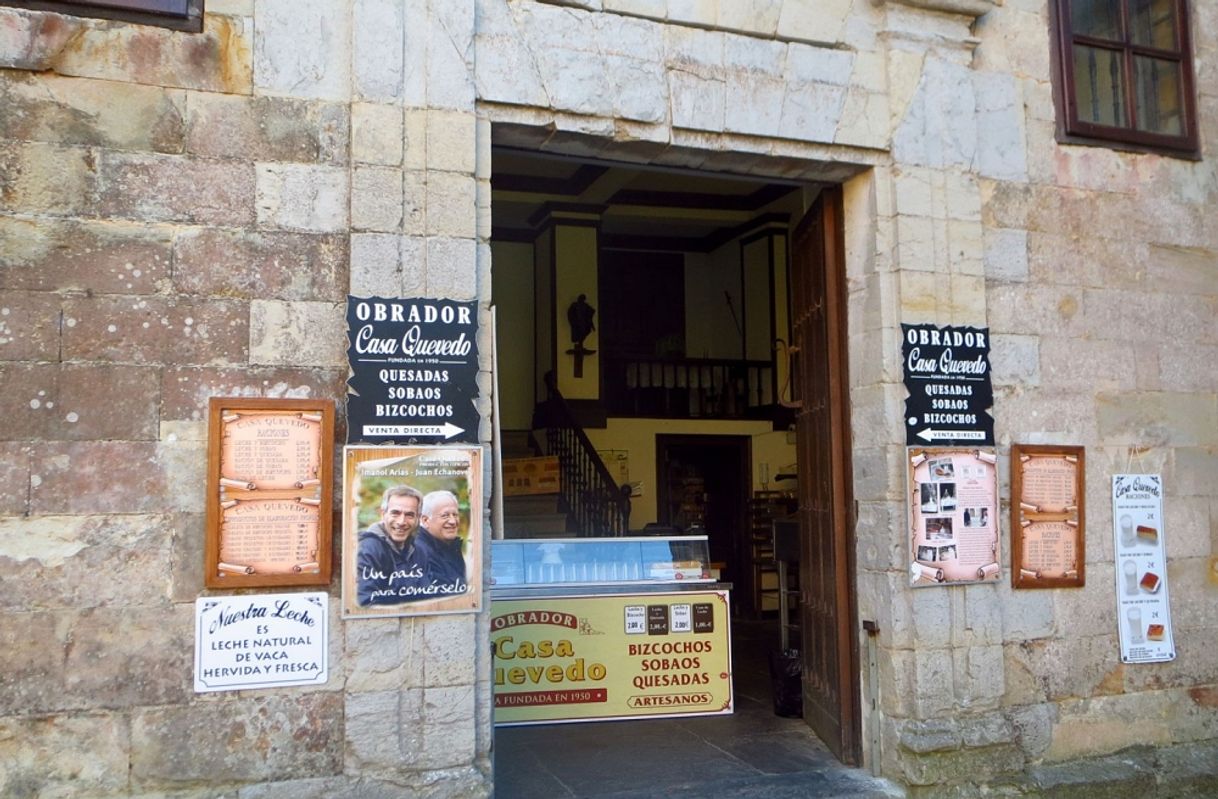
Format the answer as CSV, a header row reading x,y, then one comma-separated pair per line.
x,y
681,387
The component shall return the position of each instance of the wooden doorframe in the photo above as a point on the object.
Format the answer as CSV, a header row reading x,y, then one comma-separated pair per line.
x,y
827,215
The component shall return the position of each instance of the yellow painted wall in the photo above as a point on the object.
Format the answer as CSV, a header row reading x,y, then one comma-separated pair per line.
x,y
638,438
575,274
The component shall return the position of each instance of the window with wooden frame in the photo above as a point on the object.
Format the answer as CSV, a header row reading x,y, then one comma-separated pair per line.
x,y
183,15
1126,73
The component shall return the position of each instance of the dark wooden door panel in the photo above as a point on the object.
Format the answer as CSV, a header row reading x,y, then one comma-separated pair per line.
x,y
830,675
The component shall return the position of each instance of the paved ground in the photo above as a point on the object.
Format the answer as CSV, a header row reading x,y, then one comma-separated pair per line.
x,y
752,753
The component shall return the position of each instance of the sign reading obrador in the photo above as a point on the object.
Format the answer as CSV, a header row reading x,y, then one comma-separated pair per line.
x,y
611,657
414,371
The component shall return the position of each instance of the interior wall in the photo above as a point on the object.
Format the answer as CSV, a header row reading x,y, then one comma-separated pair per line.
x,y
575,253
512,292
637,437
710,331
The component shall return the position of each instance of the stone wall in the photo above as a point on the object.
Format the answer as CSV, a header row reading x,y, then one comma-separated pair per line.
x,y
181,216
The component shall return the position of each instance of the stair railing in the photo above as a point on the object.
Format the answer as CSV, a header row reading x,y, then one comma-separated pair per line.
x,y
595,503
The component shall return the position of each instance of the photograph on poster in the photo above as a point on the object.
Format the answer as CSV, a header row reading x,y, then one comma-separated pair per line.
x,y
412,521
953,500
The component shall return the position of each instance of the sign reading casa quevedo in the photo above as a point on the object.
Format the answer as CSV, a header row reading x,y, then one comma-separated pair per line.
x,y
947,375
414,369
260,641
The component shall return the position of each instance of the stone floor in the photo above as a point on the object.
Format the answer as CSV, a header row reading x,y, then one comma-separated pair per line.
x,y
752,753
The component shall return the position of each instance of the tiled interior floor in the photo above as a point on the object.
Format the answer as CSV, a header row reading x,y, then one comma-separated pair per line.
x,y
751,753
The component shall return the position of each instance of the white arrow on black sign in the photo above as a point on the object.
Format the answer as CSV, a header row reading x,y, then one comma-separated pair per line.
x,y
933,435
446,430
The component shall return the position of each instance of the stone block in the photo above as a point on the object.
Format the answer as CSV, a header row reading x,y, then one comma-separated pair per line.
x,y
377,134
697,102
1006,254
575,81
14,477
167,188
69,256
448,650
811,112
108,402
1146,316
1001,151
383,730
31,676
266,128
185,389
639,89
1120,777
297,334
965,765
30,40
864,119
216,60
935,680
375,264
451,145
1015,360
47,178
263,265
451,268
29,326
151,330
1033,725
188,533
1182,270
930,735
1194,471
115,476
303,48
94,113
378,63
60,755
933,617
505,70
449,736
376,199
1027,615
258,739
753,103
1035,310
123,657
380,656
1188,368
1155,418
30,407
448,32
303,197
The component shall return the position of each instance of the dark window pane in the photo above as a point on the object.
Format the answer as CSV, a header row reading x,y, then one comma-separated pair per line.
x,y
174,7
1098,18
1099,87
1152,23
1158,95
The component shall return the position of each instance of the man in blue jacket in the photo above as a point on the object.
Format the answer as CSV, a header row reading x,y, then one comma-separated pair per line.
x,y
441,544
389,566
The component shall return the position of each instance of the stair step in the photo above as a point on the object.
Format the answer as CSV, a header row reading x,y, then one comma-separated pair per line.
x,y
530,504
532,524
516,444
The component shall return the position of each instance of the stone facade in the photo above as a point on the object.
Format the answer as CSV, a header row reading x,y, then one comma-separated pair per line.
x,y
182,215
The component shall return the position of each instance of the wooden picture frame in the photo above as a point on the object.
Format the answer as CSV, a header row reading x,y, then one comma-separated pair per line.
x,y
269,492
1048,494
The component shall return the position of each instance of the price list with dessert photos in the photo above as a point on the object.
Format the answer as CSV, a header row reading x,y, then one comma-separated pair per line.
x,y
1143,609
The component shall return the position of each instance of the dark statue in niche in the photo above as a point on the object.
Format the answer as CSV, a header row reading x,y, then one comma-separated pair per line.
x,y
579,316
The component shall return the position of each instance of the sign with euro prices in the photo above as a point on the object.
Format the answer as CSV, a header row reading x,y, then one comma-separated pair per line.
x,y
621,656
947,375
414,371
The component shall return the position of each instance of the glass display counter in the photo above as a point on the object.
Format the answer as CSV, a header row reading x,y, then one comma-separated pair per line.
x,y
631,561
588,629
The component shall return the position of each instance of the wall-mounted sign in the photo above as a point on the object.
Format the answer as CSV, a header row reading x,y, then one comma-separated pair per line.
x,y
261,641
412,530
1047,520
268,492
414,370
953,516
947,375
611,657
1143,610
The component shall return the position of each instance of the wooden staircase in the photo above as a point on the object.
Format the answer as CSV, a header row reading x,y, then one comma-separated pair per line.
x,y
532,515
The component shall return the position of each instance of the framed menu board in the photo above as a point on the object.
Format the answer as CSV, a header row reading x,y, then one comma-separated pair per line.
x,y
268,492
1047,541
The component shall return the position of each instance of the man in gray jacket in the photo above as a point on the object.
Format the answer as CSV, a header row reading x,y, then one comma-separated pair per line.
x,y
389,566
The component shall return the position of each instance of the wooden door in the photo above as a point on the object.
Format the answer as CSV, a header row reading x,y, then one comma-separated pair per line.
x,y
826,517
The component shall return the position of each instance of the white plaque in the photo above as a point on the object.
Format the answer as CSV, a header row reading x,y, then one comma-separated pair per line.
x,y
261,641
1143,610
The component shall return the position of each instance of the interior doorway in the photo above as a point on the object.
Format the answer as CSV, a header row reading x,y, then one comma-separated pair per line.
x,y
755,262
704,483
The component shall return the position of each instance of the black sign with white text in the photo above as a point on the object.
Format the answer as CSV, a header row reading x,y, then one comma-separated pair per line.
x,y
947,375
414,370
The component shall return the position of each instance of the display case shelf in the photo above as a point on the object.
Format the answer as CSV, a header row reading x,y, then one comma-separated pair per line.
x,y
639,560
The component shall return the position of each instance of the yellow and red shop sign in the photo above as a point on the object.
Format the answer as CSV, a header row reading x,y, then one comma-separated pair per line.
x,y
592,658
